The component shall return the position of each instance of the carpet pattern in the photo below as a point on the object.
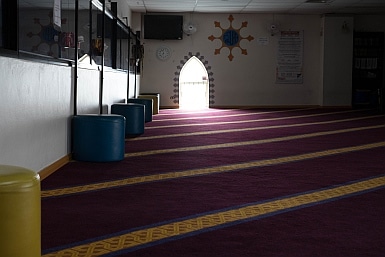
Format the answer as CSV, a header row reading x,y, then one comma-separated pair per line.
x,y
231,182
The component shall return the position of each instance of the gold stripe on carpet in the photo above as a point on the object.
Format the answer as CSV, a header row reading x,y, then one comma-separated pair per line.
x,y
248,121
141,237
249,129
228,115
180,112
205,171
253,142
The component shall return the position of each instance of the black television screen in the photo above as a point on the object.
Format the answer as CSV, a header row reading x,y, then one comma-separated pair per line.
x,y
163,27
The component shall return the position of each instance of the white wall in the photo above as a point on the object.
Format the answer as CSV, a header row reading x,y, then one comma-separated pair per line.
x,y
88,91
114,90
35,103
124,12
247,80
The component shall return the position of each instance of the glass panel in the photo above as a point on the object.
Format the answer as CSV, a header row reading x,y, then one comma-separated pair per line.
x,y
39,35
119,35
86,30
1,25
47,29
108,27
67,34
122,47
96,35
132,62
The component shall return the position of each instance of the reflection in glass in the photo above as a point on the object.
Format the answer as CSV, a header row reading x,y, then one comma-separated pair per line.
x,y
123,37
47,28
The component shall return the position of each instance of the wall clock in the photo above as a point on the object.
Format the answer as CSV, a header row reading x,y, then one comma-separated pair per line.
x,y
163,53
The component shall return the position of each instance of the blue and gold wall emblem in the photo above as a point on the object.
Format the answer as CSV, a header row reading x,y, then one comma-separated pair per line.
x,y
230,37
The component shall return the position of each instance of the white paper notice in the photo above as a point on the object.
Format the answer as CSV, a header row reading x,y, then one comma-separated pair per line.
x,y
290,58
57,14
263,41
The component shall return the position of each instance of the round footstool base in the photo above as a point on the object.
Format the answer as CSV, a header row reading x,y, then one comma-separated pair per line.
x,y
134,114
148,103
98,138
156,100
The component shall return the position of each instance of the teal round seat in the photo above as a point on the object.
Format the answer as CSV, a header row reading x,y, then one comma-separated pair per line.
x,y
134,114
148,103
98,138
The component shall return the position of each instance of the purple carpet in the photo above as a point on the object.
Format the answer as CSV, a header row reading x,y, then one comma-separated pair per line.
x,y
191,164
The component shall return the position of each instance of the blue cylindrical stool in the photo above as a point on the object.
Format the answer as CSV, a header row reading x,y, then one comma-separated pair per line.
x,y
148,103
20,212
98,138
134,114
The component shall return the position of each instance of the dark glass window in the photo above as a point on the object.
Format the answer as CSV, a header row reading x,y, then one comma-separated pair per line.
x,y
46,29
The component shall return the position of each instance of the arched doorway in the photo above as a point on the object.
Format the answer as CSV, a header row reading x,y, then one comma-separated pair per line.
x,y
193,85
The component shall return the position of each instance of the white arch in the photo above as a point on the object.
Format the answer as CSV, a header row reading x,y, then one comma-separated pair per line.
x,y
193,85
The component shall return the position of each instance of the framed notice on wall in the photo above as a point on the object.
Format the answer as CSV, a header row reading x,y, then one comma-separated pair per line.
x,y
290,58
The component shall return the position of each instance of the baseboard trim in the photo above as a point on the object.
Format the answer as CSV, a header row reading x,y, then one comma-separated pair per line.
x,y
49,170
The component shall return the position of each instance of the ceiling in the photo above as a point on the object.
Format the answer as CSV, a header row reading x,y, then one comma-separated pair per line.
x,y
235,6
261,6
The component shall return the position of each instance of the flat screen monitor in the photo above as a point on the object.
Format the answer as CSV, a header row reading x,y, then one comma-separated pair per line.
x,y
163,27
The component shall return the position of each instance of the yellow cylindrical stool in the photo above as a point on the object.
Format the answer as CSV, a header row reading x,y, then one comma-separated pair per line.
x,y
155,97
20,212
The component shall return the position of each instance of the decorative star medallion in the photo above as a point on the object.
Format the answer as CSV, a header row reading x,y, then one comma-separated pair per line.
x,y
230,37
